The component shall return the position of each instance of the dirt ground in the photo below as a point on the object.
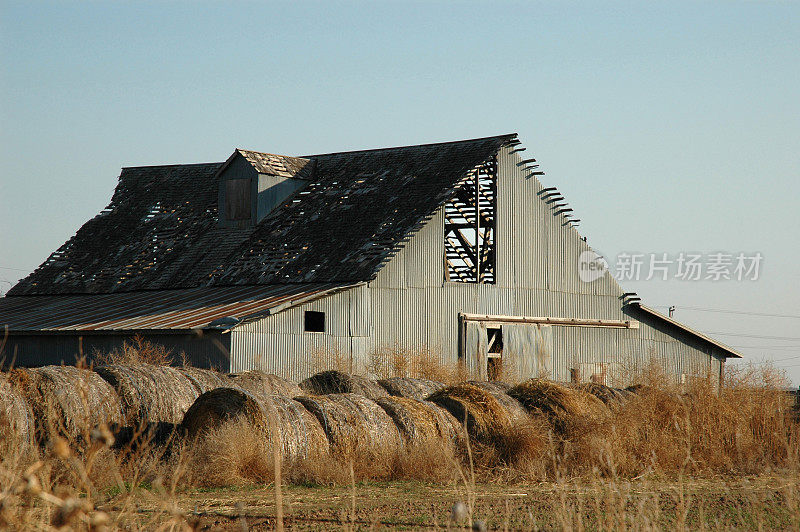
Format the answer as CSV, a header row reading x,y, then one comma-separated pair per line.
x,y
765,502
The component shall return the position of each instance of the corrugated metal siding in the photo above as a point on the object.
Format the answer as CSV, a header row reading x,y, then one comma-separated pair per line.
x,y
410,306
278,343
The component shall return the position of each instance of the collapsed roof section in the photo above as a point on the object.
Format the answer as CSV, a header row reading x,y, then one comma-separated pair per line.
x,y
162,231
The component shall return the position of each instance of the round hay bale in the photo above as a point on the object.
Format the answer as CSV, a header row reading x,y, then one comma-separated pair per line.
x,y
409,387
205,380
354,423
16,418
560,404
262,384
498,389
67,399
492,386
150,394
485,415
421,421
300,431
278,418
328,382
611,397
216,406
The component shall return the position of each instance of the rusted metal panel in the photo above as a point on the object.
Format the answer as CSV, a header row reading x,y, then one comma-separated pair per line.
x,y
153,310
528,348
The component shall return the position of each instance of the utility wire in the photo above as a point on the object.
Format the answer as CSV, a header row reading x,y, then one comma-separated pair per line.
x,y
769,347
754,336
785,358
728,311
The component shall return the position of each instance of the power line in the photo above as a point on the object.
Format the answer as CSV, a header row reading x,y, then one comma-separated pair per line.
x,y
728,311
769,347
754,336
15,269
785,358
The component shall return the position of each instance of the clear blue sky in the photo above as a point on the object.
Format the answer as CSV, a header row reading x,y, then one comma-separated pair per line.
x,y
669,127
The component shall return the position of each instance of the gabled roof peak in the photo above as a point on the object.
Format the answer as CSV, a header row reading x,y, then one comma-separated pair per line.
x,y
161,229
272,164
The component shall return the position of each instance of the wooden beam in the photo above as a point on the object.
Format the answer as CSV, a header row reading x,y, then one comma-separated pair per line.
x,y
550,320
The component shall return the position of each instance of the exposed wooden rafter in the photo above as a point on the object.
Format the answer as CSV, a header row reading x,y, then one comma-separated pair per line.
x,y
470,227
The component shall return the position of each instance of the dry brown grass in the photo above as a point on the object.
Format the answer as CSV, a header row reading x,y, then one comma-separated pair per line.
x,y
660,434
421,362
17,425
205,380
235,453
139,351
744,428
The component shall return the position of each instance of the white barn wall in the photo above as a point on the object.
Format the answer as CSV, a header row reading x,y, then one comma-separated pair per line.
x,y
409,305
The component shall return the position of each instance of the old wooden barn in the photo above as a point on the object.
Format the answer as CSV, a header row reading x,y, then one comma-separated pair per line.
x,y
265,261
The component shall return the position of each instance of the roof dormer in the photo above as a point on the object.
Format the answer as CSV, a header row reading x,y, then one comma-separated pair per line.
x,y
252,184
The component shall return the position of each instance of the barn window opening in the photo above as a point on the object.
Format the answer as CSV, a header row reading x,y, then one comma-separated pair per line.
x,y
314,321
237,199
470,226
494,355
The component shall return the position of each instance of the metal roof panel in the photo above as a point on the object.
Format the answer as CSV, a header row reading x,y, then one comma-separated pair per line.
x,y
183,309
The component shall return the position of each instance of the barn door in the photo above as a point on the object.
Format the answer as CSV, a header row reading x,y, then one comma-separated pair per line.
x,y
475,346
528,349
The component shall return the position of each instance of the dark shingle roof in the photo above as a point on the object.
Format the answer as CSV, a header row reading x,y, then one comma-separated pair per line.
x,y
160,229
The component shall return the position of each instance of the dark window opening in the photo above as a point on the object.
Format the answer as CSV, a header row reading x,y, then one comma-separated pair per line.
x,y
469,227
494,356
495,337
314,321
237,199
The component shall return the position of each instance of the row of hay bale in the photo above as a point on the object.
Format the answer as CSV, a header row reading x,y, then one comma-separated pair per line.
x,y
330,411
38,402
345,424
362,417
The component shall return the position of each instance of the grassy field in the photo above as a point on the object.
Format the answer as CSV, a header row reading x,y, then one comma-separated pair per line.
x,y
661,459
764,502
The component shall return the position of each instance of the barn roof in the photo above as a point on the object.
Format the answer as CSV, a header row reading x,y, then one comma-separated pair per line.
x,y
728,351
165,310
160,230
